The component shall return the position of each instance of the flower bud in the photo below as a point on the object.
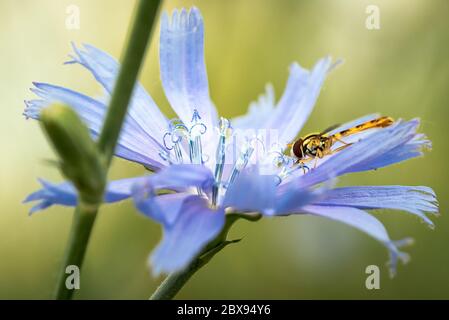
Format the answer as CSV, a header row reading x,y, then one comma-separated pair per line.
x,y
80,160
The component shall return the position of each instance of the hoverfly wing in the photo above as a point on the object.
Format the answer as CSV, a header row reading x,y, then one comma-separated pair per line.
x,y
327,130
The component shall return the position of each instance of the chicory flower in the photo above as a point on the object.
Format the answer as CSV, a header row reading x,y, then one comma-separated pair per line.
x,y
210,166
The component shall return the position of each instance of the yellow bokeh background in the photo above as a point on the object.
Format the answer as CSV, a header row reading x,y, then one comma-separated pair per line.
x,y
400,70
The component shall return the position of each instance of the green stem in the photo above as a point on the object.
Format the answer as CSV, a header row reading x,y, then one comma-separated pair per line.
x,y
84,217
126,80
176,281
83,221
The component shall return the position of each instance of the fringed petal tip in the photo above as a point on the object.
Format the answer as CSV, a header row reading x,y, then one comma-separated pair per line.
x,y
46,95
32,109
426,203
90,57
51,194
259,111
77,55
300,74
396,254
65,193
296,70
422,201
417,200
419,139
265,101
324,65
36,196
102,65
182,20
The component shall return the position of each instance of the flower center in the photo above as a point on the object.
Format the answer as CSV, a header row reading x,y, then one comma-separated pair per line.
x,y
181,137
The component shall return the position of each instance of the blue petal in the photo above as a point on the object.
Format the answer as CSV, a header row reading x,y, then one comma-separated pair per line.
x,y
195,227
411,149
365,154
258,113
252,192
182,176
134,144
298,100
104,68
65,193
416,200
367,223
61,194
164,208
182,64
291,196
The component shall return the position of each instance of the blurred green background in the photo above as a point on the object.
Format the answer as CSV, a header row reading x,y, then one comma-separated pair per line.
x,y
401,70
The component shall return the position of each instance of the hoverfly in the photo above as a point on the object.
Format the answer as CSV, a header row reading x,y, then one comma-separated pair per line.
x,y
317,145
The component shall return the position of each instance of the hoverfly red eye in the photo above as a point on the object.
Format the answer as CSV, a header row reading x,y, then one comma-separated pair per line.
x,y
297,149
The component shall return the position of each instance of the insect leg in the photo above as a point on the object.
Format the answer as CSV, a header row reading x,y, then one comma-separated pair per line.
x,y
316,162
340,148
301,163
303,167
319,155
341,141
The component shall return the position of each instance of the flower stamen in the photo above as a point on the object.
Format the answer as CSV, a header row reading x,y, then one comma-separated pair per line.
x,y
287,165
195,147
177,131
195,133
220,159
241,162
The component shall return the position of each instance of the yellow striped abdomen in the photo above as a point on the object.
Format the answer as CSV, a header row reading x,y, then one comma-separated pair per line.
x,y
381,122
